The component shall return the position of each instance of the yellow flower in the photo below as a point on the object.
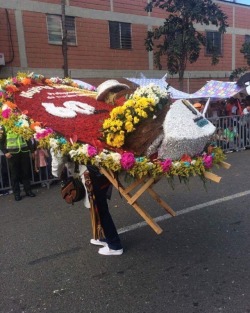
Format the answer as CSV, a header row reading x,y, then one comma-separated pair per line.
x,y
136,120
129,117
107,123
118,141
110,139
116,111
129,127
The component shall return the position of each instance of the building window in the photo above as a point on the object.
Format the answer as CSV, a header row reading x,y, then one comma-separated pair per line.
x,y
55,32
213,43
120,35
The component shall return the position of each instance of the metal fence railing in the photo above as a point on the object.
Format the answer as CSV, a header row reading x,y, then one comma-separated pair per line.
x,y
232,134
43,177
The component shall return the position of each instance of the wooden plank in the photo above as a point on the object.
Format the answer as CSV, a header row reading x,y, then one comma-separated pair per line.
x,y
148,219
225,165
141,190
133,185
162,203
212,177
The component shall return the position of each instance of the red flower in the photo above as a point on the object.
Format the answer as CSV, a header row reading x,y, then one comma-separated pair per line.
x,y
85,127
186,158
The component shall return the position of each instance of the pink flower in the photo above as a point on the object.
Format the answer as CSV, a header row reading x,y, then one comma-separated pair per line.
x,y
14,80
48,131
127,160
6,113
166,165
207,161
91,151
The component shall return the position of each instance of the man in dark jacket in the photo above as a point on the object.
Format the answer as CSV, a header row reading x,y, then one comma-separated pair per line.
x,y
17,152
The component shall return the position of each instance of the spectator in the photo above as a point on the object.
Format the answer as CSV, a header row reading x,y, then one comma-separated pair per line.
x,y
17,151
230,135
41,164
219,139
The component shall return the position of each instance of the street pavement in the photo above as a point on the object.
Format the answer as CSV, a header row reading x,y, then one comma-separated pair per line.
x,y
200,263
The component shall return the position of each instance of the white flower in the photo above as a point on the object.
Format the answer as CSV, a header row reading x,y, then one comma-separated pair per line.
x,y
38,129
83,149
116,157
193,162
53,143
97,160
72,153
25,123
151,91
150,165
177,164
4,107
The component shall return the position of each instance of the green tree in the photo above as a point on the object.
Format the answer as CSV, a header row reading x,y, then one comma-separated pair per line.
x,y
245,49
177,39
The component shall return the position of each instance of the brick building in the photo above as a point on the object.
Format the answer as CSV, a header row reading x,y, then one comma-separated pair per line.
x,y
106,40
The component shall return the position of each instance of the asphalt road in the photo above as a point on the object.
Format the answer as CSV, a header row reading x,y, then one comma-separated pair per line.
x,y
200,263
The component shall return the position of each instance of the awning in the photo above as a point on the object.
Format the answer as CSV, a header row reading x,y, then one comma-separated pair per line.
x,y
217,89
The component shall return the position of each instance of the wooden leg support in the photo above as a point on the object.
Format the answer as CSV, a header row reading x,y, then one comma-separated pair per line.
x,y
146,186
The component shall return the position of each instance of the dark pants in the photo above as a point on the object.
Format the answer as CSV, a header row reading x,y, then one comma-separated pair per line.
x,y
19,165
100,193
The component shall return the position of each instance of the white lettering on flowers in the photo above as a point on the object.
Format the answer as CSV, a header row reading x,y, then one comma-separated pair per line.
x,y
69,110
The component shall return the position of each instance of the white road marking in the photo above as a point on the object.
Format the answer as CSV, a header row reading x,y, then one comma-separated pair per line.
x,y
184,211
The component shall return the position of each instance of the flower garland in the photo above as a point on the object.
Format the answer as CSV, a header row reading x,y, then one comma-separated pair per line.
x,y
133,111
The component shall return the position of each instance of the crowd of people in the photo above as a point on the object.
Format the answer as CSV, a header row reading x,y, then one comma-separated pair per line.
x,y
231,118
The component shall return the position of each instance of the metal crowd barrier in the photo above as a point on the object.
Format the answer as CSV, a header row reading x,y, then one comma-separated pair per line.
x,y
45,178
240,126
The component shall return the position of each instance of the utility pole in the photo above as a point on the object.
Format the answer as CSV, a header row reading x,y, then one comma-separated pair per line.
x,y
64,41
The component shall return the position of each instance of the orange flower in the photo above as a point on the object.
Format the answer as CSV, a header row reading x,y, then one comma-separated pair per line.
x,y
26,81
11,88
35,124
10,104
48,82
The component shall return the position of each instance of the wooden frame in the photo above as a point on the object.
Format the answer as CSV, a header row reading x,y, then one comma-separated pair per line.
x,y
146,184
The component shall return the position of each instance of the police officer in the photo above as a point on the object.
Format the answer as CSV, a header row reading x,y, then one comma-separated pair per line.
x,y
17,152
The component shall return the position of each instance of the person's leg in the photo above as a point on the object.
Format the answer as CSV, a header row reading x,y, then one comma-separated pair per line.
x,y
107,223
14,166
25,173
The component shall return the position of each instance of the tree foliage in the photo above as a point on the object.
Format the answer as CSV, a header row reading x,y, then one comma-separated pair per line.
x,y
245,49
177,39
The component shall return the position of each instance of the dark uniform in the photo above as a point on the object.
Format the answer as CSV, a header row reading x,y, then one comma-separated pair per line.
x,y
17,151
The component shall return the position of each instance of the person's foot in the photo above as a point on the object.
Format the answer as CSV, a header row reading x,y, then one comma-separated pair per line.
x,y
98,242
18,197
107,251
30,194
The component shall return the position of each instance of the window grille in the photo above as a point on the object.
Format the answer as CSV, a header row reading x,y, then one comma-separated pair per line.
x,y
120,35
55,32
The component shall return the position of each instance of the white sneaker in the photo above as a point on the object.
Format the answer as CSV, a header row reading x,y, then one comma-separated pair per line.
x,y
107,251
98,242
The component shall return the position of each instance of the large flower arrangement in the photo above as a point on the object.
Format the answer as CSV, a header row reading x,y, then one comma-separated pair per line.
x,y
142,104
123,119
132,112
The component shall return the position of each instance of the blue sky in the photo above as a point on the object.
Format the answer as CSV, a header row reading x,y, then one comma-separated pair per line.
x,y
243,1
240,1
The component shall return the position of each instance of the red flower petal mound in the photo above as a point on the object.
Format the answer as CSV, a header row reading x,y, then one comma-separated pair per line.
x,y
85,127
